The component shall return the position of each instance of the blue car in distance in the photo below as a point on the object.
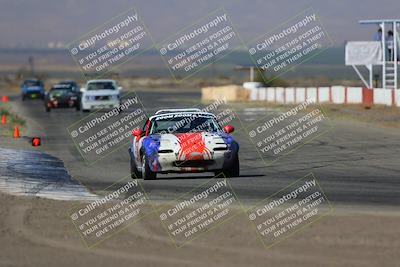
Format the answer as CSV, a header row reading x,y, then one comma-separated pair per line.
x,y
32,88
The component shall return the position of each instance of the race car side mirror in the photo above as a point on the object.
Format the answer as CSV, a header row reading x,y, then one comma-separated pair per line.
x,y
229,129
137,133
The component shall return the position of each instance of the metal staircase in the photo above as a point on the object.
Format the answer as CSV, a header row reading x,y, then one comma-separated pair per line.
x,y
390,72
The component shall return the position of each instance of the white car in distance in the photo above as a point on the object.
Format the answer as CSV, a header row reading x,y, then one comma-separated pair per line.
x,y
100,94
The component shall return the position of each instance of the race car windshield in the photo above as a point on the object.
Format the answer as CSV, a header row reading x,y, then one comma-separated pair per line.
x,y
62,87
101,86
67,84
184,125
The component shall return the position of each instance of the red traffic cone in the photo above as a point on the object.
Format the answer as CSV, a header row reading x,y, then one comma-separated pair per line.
x,y
4,99
16,132
4,119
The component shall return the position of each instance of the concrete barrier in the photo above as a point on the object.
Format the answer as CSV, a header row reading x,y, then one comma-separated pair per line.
x,y
311,93
354,95
253,94
280,95
383,96
271,94
367,97
262,95
338,94
292,95
397,97
324,95
228,92
300,94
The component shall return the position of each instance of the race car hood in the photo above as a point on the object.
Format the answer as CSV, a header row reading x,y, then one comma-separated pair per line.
x,y
188,145
61,95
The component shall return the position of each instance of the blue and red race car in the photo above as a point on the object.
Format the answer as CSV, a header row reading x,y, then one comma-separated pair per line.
x,y
183,141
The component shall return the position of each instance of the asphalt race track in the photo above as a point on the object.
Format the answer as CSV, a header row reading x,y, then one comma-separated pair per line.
x,y
355,163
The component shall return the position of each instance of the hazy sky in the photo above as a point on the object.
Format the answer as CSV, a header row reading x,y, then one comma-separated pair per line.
x,y
38,22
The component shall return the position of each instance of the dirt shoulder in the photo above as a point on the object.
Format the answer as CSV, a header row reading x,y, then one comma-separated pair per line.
x,y
37,232
378,115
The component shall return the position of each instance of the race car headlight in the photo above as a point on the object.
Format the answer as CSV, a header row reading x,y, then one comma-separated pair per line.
x,y
89,98
115,97
73,98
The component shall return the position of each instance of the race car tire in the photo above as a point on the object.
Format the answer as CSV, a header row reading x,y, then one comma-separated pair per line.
x,y
147,173
48,109
233,170
135,174
78,107
83,110
23,97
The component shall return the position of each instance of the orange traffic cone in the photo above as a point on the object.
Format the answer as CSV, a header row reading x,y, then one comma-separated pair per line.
x,y
4,119
4,99
16,132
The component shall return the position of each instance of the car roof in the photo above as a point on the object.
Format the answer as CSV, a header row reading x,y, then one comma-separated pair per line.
x,y
67,81
101,80
32,80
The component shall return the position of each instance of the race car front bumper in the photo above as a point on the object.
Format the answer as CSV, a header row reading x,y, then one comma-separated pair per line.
x,y
169,162
34,94
98,104
62,104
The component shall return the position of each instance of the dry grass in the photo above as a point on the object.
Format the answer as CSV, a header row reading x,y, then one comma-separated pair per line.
x,y
379,115
12,120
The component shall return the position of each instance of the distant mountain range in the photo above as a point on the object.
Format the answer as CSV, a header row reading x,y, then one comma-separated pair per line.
x,y
26,23
59,63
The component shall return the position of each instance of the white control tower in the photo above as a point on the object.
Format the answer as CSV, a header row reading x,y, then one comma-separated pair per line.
x,y
383,53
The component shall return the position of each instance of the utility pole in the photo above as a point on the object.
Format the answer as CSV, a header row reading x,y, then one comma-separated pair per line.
x,y
247,68
31,66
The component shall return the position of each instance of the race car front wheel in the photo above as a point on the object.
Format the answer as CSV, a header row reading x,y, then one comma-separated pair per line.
x,y
147,173
135,174
233,170
83,110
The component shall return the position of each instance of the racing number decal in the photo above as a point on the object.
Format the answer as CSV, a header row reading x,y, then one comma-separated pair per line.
x,y
192,146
